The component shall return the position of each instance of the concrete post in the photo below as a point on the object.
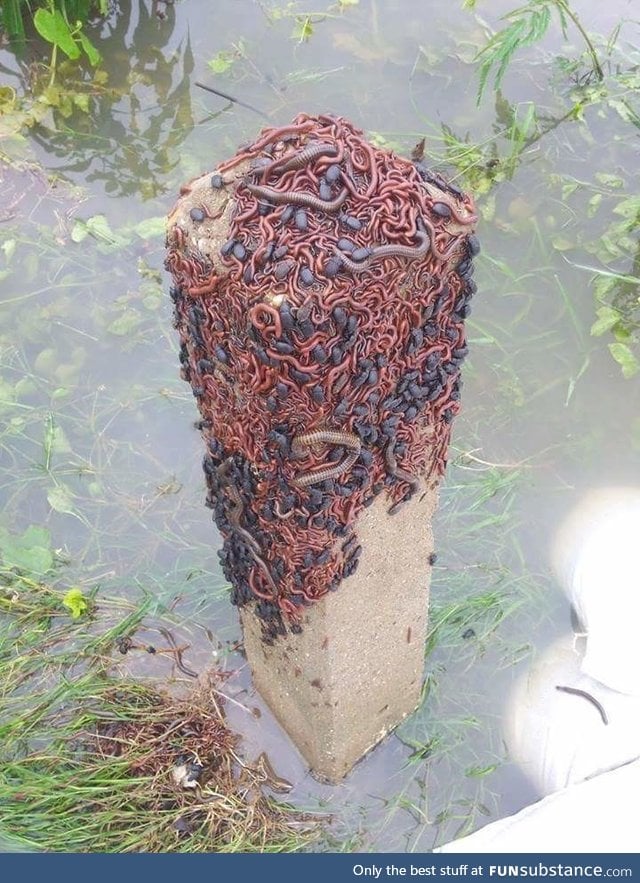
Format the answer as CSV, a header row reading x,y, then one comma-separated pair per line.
x,y
321,287
356,670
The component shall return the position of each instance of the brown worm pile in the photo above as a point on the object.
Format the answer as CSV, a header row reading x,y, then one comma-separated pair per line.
x,y
323,337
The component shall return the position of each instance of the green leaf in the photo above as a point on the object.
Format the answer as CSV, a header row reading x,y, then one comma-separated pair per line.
x,y
9,248
47,441
625,358
221,62
607,318
53,27
12,18
79,231
99,228
90,50
528,25
594,203
75,603
629,208
127,322
151,227
613,181
476,772
60,499
303,28
31,551
81,100
624,111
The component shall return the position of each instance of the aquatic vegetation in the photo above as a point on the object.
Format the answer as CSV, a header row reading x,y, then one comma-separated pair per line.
x,y
60,22
527,25
95,762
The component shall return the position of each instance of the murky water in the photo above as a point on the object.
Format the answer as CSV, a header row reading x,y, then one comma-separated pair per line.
x,y
98,440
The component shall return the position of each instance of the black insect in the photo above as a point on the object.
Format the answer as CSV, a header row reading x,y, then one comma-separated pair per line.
x,y
350,222
441,209
286,316
473,244
306,276
282,269
332,174
332,267
287,214
227,248
239,251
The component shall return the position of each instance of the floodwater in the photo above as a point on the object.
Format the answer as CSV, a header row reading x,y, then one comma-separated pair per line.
x,y
98,442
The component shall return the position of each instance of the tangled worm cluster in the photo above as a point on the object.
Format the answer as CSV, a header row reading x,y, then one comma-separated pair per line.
x,y
320,290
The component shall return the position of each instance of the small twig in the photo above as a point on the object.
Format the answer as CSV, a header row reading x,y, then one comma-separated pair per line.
x,y
522,464
232,99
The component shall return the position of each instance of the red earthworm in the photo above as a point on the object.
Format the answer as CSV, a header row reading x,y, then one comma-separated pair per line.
x,y
179,236
259,380
278,134
266,309
290,360
257,592
207,287
288,608
279,514
395,470
349,183
439,255
302,592
177,652
295,198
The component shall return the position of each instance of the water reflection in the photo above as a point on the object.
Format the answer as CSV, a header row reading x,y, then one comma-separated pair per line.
x,y
141,106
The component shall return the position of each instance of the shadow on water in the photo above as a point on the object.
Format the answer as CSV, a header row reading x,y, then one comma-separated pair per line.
x,y
98,441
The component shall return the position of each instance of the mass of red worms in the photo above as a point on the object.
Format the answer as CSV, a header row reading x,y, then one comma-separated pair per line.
x,y
324,350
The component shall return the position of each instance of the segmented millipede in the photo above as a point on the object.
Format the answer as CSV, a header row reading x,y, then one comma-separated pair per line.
x,y
326,437
411,252
302,158
296,197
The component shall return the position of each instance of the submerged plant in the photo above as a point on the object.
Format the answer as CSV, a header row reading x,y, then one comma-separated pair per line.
x,y
526,26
